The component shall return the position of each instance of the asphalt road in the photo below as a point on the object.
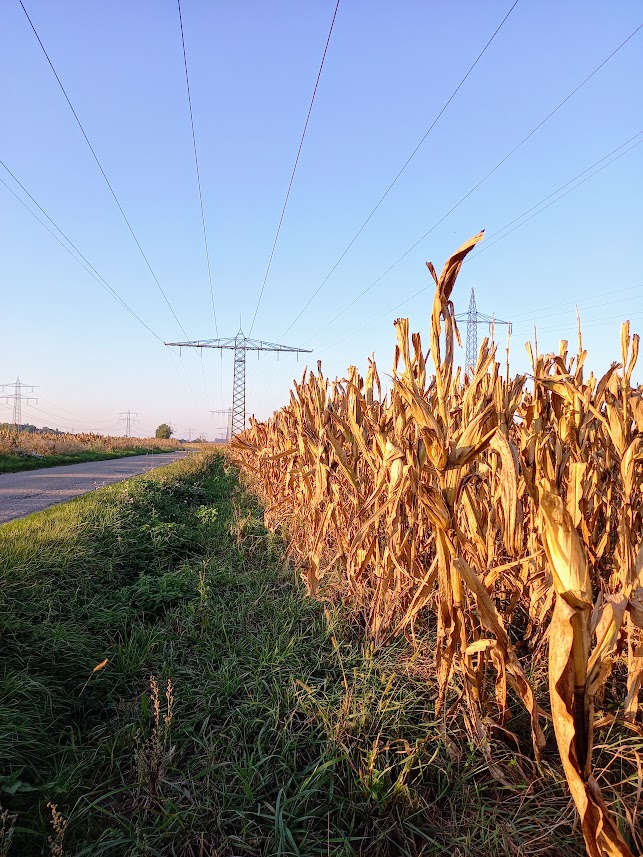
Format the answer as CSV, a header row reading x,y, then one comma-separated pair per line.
x,y
33,490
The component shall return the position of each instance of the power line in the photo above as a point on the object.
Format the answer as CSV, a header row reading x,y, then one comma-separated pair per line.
x,y
85,263
477,185
429,284
527,317
62,419
205,383
198,174
391,185
294,169
377,316
68,426
100,167
181,363
120,207
187,378
405,165
529,322
590,323
553,193
50,414
604,167
198,179
102,282
74,414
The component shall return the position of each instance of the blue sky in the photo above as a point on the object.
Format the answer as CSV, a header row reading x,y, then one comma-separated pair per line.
x,y
389,70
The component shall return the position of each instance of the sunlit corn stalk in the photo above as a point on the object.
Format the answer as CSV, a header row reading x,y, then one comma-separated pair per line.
x,y
585,445
486,503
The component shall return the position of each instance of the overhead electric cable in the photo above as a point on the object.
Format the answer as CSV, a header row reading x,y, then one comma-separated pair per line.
x,y
476,186
66,410
553,193
205,383
404,166
176,363
198,174
377,316
290,184
87,266
571,303
591,323
382,314
294,169
187,379
75,416
62,420
562,195
537,205
198,179
100,167
530,322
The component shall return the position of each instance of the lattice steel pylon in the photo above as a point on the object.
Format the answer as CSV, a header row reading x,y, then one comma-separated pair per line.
x,y
240,344
228,413
473,318
18,399
127,419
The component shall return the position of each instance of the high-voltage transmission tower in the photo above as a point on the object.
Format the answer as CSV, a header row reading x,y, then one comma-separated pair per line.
x,y
473,318
228,413
240,344
126,417
18,399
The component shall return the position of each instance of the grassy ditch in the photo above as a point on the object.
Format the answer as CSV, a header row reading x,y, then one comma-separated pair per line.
x,y
15,462
234,716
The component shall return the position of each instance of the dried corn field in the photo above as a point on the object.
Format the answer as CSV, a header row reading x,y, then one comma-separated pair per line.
x,y
501,520
52,443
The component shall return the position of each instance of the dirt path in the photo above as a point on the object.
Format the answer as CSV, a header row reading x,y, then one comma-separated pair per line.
x,y
33,490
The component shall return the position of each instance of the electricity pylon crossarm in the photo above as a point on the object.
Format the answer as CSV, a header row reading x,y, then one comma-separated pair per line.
x,y
240,344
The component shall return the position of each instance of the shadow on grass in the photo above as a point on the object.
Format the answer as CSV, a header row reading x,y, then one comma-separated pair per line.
x,y
232,717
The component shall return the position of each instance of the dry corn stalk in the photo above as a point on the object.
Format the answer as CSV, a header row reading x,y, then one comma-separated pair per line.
x,y
476,505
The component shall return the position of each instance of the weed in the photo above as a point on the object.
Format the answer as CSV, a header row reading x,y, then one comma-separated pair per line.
x,y
154,754
288,734
7,827
59,825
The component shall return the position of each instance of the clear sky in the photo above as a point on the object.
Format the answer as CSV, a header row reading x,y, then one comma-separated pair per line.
x,y
389,70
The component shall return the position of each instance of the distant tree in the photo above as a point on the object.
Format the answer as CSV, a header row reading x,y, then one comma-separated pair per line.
x,y
164,431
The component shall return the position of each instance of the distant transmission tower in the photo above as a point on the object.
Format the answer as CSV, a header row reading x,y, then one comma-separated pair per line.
x,y
18,399
126,417
228,413
473,318
240,344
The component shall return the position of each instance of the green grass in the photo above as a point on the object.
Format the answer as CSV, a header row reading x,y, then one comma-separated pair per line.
x,y
17,462
287,736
